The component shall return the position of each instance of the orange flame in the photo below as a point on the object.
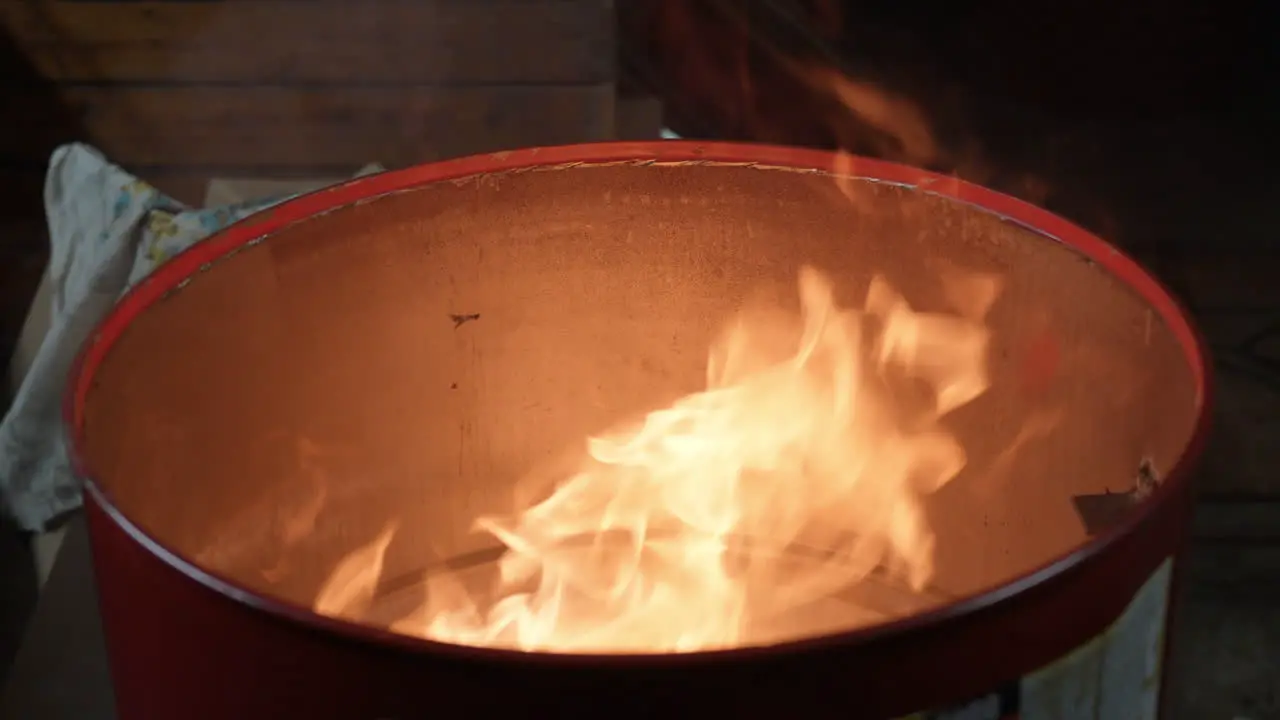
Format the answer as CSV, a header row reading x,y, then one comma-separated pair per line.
x,y
679,533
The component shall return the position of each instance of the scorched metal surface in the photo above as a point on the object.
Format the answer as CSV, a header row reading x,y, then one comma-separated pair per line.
x,y
405,344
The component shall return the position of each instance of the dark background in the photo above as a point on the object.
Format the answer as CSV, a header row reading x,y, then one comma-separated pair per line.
x,y
1148,121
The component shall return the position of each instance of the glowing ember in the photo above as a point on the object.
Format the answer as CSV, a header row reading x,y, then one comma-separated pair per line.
x,y
674,534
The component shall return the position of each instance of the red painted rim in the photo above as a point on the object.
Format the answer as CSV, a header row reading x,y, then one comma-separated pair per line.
x,y
171,275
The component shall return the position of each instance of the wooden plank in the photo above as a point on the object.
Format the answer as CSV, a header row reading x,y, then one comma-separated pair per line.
x,y
1249,520
281,41
638,117
185,184
188,184
307,126
1242,456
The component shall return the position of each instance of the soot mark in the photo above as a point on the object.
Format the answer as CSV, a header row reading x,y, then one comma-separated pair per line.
x,y
460,320
1100,512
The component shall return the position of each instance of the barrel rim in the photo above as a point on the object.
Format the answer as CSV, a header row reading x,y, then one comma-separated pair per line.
x,y
172,275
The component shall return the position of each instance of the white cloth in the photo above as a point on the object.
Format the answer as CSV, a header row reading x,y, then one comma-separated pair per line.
x,y
107,229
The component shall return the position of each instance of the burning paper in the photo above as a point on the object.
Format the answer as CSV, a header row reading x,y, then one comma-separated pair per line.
x,y
679,533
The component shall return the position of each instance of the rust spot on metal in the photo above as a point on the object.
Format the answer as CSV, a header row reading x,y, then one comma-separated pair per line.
x,y
462,319
1041,362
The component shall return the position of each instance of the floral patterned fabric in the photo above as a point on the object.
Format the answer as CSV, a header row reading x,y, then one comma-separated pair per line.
x,y
167,232
107,229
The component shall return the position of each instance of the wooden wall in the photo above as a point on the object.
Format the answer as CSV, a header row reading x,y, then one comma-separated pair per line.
x,y
184,90
181,90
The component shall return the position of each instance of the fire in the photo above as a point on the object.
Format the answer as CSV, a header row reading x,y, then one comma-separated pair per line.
x,y
817,437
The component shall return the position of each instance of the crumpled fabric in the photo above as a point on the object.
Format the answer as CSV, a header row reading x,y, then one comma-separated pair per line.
x,y
107,230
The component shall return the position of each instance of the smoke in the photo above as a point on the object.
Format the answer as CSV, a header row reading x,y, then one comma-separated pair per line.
x,y
805,72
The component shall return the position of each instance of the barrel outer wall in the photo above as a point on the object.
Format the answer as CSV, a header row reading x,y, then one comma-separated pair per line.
x,y
180,648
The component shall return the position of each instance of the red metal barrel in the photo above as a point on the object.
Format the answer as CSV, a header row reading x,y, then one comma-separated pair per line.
x,y
400,346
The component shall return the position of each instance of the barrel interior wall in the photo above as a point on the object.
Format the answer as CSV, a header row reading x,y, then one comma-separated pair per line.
x,y
414,356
